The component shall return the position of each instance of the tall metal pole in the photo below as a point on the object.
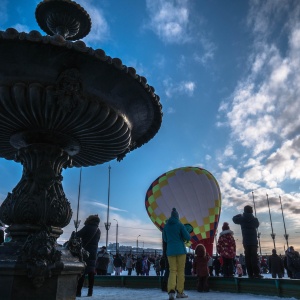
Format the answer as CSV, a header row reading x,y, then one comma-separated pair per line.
x,y
77,222
286,236
258,233
107,224
117,229
272,234
137,244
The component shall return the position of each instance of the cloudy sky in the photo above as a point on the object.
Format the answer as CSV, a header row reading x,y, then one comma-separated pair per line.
x,y
227,73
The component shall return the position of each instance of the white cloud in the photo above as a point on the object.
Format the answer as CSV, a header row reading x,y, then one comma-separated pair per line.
x,y
21,28
183,87
99,204
229,151
100,29
187,86
171,110
209,51
169,20
263,112
207,157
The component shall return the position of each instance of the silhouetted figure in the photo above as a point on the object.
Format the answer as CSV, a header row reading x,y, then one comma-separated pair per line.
x,y
102,261
293,262
249,225
90,236
276,265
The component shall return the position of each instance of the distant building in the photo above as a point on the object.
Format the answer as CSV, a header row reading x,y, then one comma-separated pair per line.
x,y
112,247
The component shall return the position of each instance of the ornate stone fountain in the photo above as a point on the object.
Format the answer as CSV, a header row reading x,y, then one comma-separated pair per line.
x,y
62,104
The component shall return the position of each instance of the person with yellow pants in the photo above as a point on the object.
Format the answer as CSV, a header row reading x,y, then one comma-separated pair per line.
x,y
175,235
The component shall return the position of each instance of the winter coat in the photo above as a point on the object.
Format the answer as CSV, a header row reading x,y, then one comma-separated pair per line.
x,y
129,262
90,236
102,260
249,225
201,259
175,234
276,264
239,269
118,261
146,265
163,262
293,261
139,265
226,244
242,260
188,266
216,263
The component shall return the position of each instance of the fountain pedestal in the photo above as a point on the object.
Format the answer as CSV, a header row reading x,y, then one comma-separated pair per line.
x,y
62,104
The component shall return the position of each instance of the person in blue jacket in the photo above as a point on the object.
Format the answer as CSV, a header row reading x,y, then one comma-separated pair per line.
x,y
175,235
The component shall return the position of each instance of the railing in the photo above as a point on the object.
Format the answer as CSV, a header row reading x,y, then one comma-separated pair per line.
x,y
267,287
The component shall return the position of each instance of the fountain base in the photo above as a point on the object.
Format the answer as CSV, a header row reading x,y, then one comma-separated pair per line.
x,y
20,280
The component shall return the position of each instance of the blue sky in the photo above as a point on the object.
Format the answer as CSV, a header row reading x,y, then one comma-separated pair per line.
x,y
227,73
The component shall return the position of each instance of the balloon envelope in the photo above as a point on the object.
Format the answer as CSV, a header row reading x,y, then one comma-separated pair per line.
x,y
196,195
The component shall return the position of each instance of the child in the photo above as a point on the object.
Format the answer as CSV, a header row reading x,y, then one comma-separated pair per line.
x,y
239,270
200,268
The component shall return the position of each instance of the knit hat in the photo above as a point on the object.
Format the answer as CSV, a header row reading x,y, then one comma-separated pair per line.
x,y
175,213
225,226
248,209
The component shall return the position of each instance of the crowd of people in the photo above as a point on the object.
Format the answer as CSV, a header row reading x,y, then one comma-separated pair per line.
x,y
175,263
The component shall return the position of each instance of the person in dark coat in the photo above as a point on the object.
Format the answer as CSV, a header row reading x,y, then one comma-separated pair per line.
x,y
289,273
188,266
200,268
90,236
164,261
102,261
227,249
276,265
217,265
249,225
139,266
293,262
118,263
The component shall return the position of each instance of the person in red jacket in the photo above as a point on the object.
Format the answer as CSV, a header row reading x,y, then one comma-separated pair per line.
x,y
227,249
200,268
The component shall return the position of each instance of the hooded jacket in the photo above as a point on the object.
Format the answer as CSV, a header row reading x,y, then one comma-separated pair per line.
x,y
90,235
175,234
201,259
249,225
226,244
293,260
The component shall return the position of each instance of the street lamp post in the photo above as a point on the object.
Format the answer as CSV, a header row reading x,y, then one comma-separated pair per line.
x,y
107,224
272,234
286,236
117,229
137,244
258,233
